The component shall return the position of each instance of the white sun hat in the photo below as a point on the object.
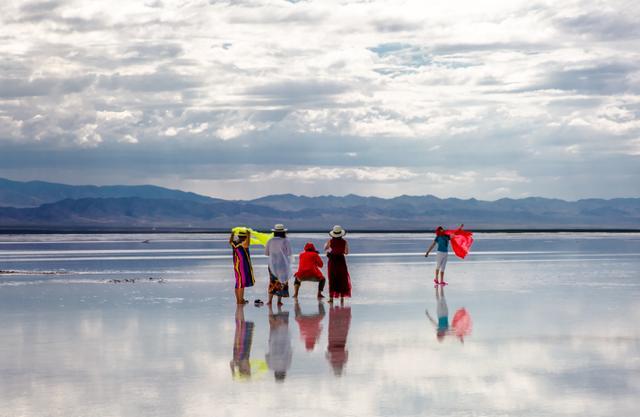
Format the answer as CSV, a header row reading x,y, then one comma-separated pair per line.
x,y
337,231
279,228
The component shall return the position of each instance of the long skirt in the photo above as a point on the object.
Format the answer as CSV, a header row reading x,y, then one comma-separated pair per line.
x,y
276,287
242,268
339,280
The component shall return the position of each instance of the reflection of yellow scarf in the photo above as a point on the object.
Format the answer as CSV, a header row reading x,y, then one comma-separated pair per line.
x,y
257,238
258,367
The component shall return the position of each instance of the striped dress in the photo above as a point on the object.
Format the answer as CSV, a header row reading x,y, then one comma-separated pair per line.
x,y
242,266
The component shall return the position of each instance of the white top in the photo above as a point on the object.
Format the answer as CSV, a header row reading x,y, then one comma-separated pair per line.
x,y
278,250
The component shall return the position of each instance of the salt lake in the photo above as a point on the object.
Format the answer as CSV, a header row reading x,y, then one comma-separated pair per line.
x,y
551,329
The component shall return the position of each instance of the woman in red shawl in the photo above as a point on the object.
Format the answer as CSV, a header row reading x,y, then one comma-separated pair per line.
x,y
339,280
309,269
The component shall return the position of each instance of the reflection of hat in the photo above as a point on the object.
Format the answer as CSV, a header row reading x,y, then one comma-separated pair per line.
x,y
279,228
337,231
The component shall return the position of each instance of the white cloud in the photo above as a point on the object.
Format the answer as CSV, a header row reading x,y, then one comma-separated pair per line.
x,y
496,84
361,174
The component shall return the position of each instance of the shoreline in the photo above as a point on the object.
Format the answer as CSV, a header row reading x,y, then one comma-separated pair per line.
x,y
89,231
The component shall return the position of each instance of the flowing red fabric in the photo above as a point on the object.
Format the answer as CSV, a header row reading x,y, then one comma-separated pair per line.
x,y
461,241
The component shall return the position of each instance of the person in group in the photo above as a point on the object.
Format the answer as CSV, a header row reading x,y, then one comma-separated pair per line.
x,y
242,267
310,325
240,366
280,354
309,264
278,249
442,242
336,248
339,322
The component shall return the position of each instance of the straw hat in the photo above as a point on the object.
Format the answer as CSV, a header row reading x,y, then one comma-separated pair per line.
x,y
337,231
279,228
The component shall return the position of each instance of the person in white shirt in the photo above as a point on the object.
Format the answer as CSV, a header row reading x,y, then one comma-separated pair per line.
x,y
278,250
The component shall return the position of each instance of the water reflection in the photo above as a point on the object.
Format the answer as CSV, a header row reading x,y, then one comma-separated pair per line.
x,y
339,322
461,324
280,353
240,366
310,325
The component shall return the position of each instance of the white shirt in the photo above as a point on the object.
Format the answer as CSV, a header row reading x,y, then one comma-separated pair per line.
x,y
278,250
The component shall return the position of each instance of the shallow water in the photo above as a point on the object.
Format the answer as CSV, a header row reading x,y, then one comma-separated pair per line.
x,y
554,330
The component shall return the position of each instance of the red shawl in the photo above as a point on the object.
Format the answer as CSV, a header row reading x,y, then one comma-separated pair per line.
x,y
461,241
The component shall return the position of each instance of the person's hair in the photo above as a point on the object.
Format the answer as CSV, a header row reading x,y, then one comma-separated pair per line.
x,y
240,238
280,375
280,234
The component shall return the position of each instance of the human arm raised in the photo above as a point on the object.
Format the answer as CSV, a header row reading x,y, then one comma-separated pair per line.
x,y
247,241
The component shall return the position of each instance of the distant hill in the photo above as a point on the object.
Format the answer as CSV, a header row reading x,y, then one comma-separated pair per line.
x,y
156,207
35,193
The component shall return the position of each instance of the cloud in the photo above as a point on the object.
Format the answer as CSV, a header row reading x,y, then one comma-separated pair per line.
x,y
290,92
518,94
16,87
148,82
364,174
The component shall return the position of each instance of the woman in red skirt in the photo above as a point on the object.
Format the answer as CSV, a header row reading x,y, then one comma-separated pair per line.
x,y
339,280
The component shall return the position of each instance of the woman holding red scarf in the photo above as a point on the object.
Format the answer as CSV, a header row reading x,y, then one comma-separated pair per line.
x,y
462,243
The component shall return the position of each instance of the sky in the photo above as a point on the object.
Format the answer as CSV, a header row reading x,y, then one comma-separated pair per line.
x,y
240,99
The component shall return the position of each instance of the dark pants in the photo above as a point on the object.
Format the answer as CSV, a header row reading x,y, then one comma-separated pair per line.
x,y
320,283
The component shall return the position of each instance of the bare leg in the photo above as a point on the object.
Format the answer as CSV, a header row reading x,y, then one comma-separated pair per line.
x,y
441,277
296,288
270,299
239,295
279,301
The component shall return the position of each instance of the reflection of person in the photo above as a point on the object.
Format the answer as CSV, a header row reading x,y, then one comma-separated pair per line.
x,y
309,265
442,311
240,366
278,250
442,241
241,263
460,325
339,322
310,325
339,280
280,354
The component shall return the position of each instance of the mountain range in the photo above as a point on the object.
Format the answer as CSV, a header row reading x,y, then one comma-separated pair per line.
x,y
44,205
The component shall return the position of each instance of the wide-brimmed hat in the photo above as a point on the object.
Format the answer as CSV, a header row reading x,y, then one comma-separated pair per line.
x,y
337,231
279,228
242,232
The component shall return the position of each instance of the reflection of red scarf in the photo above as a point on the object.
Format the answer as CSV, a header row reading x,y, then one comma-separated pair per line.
x,y
461,241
